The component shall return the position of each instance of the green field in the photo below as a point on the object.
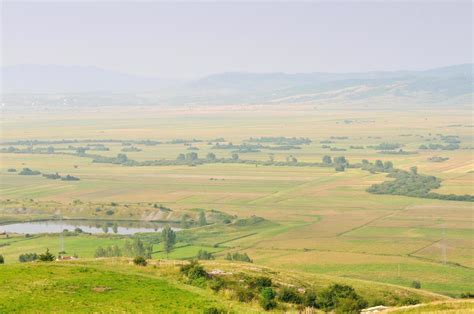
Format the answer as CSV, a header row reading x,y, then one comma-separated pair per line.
x,y
317,220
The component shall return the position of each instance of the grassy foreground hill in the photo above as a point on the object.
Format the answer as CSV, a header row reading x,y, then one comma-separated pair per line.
x,y
116,285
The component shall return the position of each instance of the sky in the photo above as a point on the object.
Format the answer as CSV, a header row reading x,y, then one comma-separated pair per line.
x,y
186,40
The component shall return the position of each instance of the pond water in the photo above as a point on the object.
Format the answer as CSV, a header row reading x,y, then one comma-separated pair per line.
x,y
87,226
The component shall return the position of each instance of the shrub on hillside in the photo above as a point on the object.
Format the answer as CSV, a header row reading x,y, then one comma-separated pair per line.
x,y
267,298
290,295
193,270
416,284
140,261
27,257
260,282
341,297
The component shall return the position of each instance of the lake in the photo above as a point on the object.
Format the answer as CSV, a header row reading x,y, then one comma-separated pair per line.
x,y
87,226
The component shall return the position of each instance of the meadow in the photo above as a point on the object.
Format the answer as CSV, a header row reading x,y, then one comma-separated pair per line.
x,y
317,220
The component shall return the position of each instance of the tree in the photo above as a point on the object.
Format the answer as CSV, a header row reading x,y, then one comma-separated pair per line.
x,y
235,156
202,218
327,160
191,156
204,255
181,157
122,158
184,222
2,259
46,256
105,228
211,156
388,165
115,228
100,252
340,160
340,167
416,284
168,236
414,170
379,164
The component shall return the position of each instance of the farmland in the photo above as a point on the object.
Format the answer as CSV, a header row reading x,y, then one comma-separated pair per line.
x,y
316,220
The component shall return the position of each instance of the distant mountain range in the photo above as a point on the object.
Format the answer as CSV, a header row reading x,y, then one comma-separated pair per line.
x,y
451,85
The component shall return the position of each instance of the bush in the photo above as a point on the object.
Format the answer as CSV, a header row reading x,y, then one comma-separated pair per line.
x,y
46,257
467,295
244,295
341,297
290,295
416,284
310,299
193,270
2,259
267,298
260,282
27,257
214,310
140,261
217,284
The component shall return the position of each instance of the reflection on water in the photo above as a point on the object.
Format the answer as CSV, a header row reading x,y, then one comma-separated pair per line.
x,y
87,226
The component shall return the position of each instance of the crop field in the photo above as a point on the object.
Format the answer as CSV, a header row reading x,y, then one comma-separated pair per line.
x,y
317,220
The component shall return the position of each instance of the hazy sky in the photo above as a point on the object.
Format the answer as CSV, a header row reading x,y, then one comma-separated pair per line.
x,y
194,39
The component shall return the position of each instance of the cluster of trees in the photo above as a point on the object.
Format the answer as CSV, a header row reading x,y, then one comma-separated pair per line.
x,y
385,146
281,140
56,176
378,166
109,251
236,256
247,147
410,183
452,146
183,141
406,183
137,248
438,159
397,152
340,163
98,147
29,172
204,255
131,149
450,139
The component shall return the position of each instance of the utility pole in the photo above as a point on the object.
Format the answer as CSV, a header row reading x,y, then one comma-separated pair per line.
x,y
443,244
61,235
